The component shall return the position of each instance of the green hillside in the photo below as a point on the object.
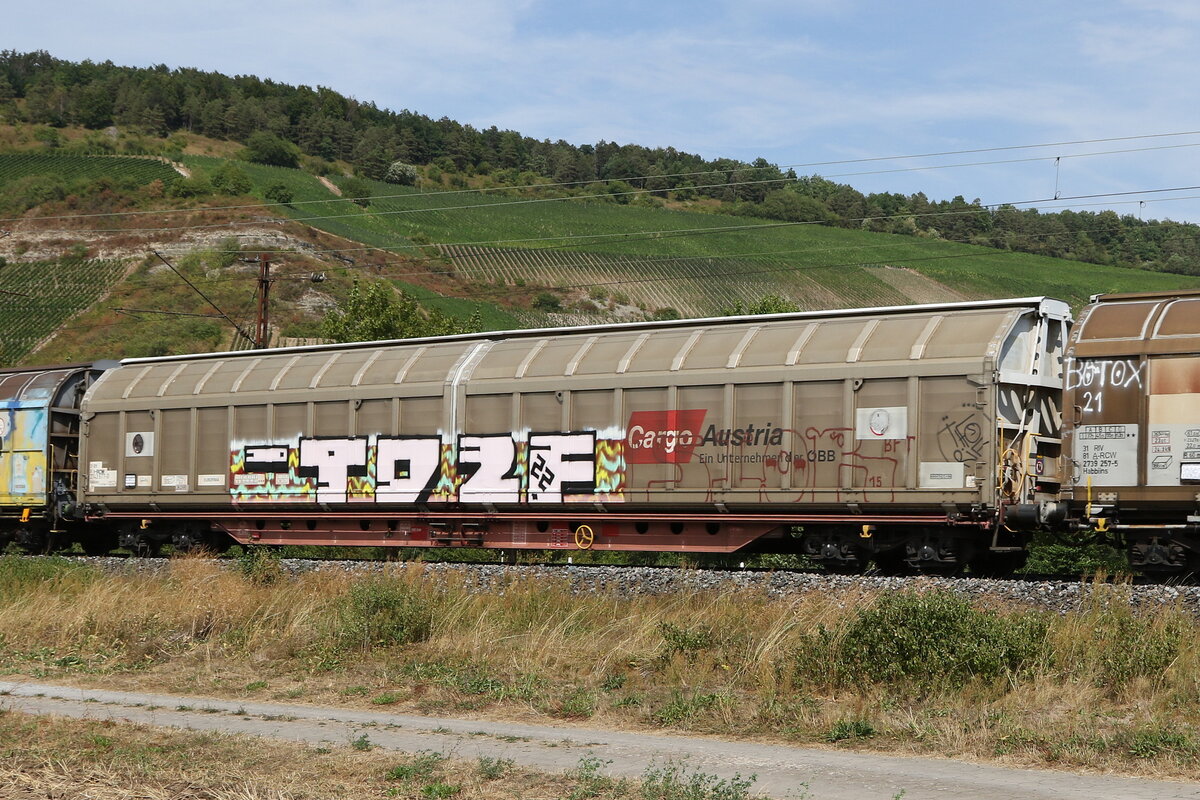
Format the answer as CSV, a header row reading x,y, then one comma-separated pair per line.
x,y
694,262
516,257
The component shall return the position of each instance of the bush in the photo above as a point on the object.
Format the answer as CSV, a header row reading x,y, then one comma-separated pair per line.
x,y
401,173
358,190
545,301
924,639
278,193
260,565
267,148
232,180
673,782
25,193
195,186
1049,557
382,612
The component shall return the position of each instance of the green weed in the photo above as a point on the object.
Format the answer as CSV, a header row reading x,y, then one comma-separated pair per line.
x,y
423,766
492,768
387,699
681,708
924,639
845,729
673,782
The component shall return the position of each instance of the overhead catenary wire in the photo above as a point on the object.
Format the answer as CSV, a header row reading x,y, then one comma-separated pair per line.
x,y
712,171
561,242
207,299
766,270
568,241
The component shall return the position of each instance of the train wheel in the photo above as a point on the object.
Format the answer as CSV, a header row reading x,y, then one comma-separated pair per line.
x,y
891,563
98,545
146,548
998,565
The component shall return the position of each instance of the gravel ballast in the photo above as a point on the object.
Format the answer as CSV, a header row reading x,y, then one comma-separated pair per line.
x,y
626,581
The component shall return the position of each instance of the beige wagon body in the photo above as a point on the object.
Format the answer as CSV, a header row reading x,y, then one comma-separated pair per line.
x,y
703,434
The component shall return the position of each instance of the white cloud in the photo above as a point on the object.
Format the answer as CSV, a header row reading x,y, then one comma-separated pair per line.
x,y
1123,44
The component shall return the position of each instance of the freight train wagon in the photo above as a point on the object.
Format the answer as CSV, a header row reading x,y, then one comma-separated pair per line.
x,y
39,451
1133,425
887,434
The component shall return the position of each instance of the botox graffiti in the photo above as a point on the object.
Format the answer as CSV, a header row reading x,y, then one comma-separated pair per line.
x,y
1099,374
1090,378
504,468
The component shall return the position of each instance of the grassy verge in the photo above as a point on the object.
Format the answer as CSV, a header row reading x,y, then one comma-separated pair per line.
x,y
1103,688
55,757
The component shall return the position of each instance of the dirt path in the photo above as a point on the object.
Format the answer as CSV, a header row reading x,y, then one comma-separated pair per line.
x,y
330,185
781,771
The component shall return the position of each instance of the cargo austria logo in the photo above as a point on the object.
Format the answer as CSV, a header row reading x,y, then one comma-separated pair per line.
x,y
671,437
663,437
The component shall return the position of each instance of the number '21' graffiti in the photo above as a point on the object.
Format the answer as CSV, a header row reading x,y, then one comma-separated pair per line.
x,y
499,468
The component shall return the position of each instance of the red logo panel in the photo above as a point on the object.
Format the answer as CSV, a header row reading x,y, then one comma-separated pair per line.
x,y
663,437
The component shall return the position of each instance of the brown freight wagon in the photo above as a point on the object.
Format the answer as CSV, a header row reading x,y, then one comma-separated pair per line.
x,y
1133,427
886,434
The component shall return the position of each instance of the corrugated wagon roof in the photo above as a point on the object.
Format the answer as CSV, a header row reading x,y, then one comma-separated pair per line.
x,y
770,342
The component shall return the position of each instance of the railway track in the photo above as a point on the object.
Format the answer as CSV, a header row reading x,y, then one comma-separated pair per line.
x,y
1053,593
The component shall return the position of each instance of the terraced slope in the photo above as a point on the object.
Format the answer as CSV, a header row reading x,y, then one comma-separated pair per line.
x,y
694,262
139,170
40,296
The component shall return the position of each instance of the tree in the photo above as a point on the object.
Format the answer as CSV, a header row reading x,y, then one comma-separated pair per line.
x,y
357,190
376,149
278,193
267,148
401,173
791,207
377,311
232,179
767,304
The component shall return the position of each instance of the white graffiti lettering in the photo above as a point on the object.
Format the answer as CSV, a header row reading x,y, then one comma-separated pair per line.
x,y
408,468
480,468
561,464
1103,373
488,465
668,440
332,462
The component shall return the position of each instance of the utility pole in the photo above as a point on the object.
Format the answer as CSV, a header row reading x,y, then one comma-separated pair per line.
x,y
262,334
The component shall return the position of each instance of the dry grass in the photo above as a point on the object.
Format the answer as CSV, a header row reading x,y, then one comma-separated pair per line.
x,y
1104,688
50,757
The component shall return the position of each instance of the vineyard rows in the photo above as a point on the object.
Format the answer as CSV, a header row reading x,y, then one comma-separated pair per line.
x,y
141,170
692,286
45,294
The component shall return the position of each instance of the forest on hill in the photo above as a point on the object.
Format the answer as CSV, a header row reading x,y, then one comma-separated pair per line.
x,y
301,126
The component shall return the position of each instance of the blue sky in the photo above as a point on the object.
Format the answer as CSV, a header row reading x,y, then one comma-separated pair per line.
x,y
793,81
